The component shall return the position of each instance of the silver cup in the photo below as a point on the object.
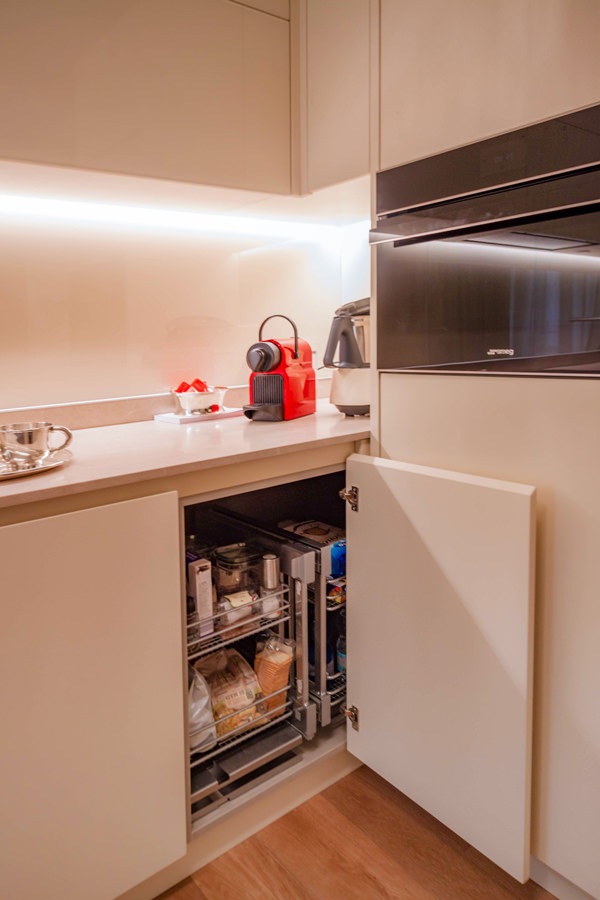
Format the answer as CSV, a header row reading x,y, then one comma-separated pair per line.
x,y
29,443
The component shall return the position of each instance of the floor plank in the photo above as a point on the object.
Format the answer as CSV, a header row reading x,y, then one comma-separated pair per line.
x,y
433,857
250,871
360,839
332,857
185,890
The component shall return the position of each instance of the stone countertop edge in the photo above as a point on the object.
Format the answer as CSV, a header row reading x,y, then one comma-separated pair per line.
x,y
113,455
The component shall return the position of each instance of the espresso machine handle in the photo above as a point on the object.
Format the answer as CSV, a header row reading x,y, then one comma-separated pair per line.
x,y
279,316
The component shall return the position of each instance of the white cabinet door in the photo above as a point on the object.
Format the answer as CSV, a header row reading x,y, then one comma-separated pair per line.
x,y
334,70
188,91
92,757
440,627
544,431
452,73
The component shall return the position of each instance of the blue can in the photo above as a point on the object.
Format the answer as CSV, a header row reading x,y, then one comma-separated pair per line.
x,y
338,559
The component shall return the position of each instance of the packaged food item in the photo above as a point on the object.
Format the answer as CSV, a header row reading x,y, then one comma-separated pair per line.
x,y
336,593
201,591
340,653
338,559
234,688
317,532
203,734
195,548
272,666
193,630
329,658
233,607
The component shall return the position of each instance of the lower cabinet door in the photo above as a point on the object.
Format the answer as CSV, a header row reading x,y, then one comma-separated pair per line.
x,y
440,629
92,756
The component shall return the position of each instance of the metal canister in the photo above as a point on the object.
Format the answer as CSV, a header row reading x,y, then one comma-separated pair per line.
x,y
269,572
270,586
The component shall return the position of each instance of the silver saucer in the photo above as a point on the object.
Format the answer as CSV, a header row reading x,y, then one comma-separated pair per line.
x,y
52,461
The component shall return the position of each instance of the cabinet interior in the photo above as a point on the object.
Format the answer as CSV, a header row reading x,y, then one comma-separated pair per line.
x,y
310,612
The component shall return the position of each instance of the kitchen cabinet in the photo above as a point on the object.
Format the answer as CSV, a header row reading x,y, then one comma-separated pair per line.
x,y
440,644
307,609
128,639
332,75
266,95
452,73
91,677
543,431
186,91
440,636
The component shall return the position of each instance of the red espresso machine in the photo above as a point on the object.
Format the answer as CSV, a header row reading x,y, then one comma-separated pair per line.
x,y
282,383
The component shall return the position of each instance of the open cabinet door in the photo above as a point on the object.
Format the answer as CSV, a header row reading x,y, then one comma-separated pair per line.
x,y
440,636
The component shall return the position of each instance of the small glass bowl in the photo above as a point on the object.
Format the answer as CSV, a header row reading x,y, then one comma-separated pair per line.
x,y
200,401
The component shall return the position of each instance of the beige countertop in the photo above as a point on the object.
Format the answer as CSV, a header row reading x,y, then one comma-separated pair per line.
x,y
119,454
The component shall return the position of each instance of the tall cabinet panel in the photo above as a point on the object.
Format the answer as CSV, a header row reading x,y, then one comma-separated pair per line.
x,y
546,431
187,91
440,643
452,73
333,74
91,692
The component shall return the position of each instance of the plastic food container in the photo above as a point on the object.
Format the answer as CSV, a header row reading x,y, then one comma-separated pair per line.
x,y
236,567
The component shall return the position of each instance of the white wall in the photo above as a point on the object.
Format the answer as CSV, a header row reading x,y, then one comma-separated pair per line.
x,y
96,311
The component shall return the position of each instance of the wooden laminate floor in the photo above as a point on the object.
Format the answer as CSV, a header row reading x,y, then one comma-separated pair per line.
x,y
360,838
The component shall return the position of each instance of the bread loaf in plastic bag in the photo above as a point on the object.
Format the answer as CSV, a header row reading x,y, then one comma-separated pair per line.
x,y
234,688
203,734
272,666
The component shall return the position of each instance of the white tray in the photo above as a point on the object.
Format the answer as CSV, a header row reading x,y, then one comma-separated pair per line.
x,y
185,419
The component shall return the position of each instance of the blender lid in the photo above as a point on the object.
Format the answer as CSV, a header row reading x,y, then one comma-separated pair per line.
x,y
355,308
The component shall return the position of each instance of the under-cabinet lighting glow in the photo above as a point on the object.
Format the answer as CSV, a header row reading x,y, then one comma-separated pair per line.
x,y
148,217
475,250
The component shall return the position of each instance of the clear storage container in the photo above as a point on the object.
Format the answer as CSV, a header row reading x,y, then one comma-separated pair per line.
x,y
237,568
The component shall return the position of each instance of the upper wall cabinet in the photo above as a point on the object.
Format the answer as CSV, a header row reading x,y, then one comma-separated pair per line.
x,y
190,90
452,73
331,70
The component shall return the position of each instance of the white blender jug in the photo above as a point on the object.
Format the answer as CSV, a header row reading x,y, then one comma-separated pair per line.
x,y
349,338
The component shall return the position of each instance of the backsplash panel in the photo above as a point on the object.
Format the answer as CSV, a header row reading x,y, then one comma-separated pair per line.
x,y
92,312
96,413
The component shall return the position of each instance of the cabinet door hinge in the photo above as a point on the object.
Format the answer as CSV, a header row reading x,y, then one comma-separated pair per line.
x,y
351,713
351,495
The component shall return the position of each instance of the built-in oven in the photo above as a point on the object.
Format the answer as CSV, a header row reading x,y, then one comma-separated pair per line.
x,y
488,256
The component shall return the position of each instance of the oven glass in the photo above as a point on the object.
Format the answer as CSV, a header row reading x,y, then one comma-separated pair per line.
x,y
520,301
